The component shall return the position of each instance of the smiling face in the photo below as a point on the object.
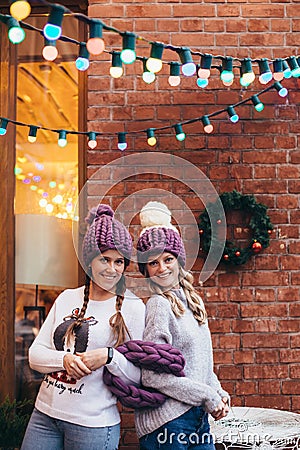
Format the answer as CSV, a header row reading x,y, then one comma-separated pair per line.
x,y
164,270
107,270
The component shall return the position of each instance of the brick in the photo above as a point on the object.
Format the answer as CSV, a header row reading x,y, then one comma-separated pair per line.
x,y
261,39
294,309
221,357
265,279
266,186
235,25
210,25
230,341
288,172
265,325
230,372
266,356
286,142
287,201
292,326
262,11
289,294
270,387
241,295
290,262
185,10
246,388
266,262
265,340
243,357
266,371
295,371
289,355
265,295
262,25
265,157
291,387
294,247
219,326
129,437
265,172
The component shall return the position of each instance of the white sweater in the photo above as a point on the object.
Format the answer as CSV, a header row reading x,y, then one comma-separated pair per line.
x,y
88,401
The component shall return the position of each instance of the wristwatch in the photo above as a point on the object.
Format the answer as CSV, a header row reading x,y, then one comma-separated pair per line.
x,y
110,354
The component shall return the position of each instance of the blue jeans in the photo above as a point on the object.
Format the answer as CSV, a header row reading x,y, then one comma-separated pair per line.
x,y
45,433
188,431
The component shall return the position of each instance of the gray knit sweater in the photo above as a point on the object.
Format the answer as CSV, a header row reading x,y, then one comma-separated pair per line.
x,y
200,386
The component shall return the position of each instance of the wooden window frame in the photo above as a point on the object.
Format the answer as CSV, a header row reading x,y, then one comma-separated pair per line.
x,y
8,89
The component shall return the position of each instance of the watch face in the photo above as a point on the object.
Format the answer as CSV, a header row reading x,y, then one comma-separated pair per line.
x,y
110,354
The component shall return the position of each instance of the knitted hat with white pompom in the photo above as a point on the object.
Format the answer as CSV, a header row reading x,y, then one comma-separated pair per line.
x,y
158,235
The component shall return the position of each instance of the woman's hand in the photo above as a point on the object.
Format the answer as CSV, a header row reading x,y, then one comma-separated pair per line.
x,y
75,367
94,359
221,410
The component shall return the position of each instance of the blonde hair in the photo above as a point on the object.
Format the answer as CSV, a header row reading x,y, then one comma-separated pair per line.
x,y
117,322
194,300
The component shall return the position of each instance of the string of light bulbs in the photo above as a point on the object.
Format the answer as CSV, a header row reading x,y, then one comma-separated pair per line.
x,y
150,132
52,31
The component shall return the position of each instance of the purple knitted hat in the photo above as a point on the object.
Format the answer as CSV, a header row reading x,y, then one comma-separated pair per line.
x,y
105,233
158,235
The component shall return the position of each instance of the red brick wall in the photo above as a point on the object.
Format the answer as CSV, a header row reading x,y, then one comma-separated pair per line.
x,y
254,309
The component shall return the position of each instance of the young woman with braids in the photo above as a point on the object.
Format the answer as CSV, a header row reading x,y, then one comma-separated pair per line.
x,y
175,314
74,408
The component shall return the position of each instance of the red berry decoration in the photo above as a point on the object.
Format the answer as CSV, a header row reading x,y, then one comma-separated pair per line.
x,y
201,231
256,247
259,227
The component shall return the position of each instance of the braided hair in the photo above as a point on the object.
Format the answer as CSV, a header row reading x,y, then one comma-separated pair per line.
x,y
71,330
117,322
194,300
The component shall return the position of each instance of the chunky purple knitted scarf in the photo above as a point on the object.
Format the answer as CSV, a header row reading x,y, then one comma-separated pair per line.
x,y
157,357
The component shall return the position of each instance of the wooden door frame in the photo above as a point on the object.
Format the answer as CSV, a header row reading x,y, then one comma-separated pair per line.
x,y
7,236
8,89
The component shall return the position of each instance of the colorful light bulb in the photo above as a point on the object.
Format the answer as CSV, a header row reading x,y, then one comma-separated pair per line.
x,y
180,135
52,30
20,9
95,43
128,55
207,126
154,63
174,78
50,51
151,139
188,66
122,144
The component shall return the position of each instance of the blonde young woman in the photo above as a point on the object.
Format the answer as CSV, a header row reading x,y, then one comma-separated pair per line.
x,y
74,408
175,314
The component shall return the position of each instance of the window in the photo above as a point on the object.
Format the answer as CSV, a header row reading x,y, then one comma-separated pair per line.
x,y
46,180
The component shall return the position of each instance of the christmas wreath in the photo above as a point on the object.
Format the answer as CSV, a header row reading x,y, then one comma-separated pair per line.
x,y
259,224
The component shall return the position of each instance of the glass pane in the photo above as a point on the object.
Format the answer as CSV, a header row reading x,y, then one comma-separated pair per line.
x,y
46,188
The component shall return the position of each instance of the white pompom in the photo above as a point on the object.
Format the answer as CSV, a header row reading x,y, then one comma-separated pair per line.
x,y
156,214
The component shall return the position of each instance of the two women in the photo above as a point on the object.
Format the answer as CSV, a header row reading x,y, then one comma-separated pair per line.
x,y
74,409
